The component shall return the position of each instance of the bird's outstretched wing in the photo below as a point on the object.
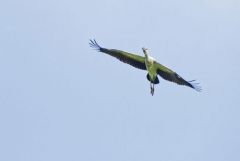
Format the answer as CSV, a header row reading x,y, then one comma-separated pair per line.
x,y
172,76
131,59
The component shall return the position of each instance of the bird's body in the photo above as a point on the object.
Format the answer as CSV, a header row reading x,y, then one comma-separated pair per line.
x,y
152,71
149,62
146,63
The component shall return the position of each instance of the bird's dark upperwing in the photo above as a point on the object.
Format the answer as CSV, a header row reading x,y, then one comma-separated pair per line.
x,y
131,59
172,76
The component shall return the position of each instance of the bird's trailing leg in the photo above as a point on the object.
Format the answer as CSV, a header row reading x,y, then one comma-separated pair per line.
x,y
152,88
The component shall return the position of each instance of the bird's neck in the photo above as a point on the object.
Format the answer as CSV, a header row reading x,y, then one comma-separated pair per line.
x,y
148,58
146,55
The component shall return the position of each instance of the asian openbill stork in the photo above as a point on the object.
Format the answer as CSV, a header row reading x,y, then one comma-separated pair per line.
x,y
147,63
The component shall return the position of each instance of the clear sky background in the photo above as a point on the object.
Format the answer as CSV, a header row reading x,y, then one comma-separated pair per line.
x,y
61,100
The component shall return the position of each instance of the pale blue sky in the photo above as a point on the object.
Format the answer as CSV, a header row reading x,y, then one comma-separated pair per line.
x,y
61,100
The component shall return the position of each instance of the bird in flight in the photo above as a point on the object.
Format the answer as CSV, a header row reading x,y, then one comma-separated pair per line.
x,y
148,63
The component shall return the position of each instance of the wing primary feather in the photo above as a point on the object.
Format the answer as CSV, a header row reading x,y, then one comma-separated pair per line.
x,y
192,80
195,86
95,45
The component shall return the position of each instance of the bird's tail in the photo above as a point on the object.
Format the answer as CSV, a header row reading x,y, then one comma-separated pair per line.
x,y
93,43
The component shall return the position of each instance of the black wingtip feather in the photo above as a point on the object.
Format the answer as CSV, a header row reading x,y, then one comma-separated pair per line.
x,y
195,85
93,43
192,80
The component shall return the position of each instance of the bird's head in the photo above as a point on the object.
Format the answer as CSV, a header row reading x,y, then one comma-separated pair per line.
x,y
145,51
